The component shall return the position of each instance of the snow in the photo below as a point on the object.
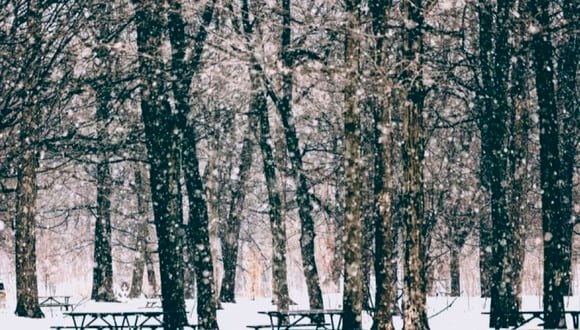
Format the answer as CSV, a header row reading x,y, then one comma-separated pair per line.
x,y
445,313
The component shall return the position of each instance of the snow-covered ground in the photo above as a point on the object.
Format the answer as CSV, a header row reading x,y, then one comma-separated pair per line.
x,y
445,313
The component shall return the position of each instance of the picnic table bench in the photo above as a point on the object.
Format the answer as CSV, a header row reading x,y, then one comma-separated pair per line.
x,y
55,301
301,319
528,316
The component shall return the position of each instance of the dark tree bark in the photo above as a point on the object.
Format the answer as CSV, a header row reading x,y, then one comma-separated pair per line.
x,y
198,226
415,313
553,225
385,273
26,189
567,98
232,226
518,144
487,85
163,160
24,229
103,255
189,270
198,233
455,271
150,269
495,54
142,235
284,106
277,225
353,278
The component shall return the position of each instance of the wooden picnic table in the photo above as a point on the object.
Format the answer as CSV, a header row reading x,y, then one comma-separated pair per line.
x,y
294,319
528,316
55,301
117,320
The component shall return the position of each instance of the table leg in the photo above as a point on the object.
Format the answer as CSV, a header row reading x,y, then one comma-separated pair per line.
x,y
332,322
575,320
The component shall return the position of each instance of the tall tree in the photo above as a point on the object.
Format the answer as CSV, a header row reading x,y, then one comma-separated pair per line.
x,y
385,275
567,98
103,255
353,272
553,225
284,106
198,225
495,52
415,314
24,224
34,77
160,128
260,123
519,127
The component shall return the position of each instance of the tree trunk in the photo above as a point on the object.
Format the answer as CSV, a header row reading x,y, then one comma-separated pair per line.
x,y
150,268
284,106
553,225
486,104
353,292
495,68
142,235
189,271
517,159
198,232
485,257
198,226
232,230
163,160
415,314
24,224
24,229
261,126
277,225
454,271
103,255
385,272
568,105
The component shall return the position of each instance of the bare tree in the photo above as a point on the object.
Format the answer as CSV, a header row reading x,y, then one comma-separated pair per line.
x,y
353,273
385,273
163,159
415,314
260,123
553,225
